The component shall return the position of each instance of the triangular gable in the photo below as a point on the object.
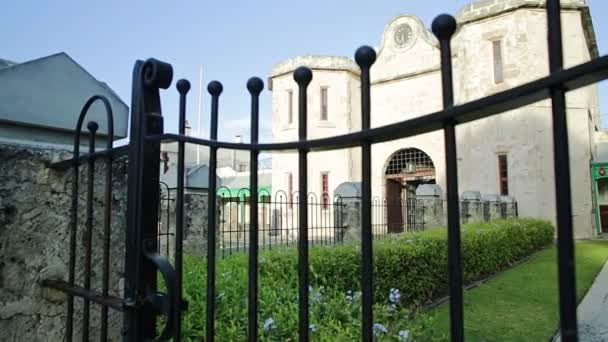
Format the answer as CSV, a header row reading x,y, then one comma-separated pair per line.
x,y
407,48
49,92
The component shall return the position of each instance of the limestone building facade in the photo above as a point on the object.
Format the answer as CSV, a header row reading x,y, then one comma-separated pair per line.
x,y
498,45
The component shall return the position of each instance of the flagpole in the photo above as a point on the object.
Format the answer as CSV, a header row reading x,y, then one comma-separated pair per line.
x,y
200,100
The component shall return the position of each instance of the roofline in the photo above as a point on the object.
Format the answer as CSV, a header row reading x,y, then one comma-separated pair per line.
x,y
103,84
314,62
63,53
461,17
60,129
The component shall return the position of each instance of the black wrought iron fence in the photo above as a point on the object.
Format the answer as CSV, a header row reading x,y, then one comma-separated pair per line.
x,y
396,216
142,302
166,229
278,220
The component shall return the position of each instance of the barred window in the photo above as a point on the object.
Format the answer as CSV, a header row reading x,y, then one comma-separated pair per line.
x,y
409,160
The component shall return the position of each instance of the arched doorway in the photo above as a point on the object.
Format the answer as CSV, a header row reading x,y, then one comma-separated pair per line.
x,y
405,170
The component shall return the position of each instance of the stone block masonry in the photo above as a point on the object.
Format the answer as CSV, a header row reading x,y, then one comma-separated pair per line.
x,y
35,203
195,223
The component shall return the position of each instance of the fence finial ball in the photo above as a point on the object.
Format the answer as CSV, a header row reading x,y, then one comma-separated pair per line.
x,y
183,86
365,56
92,126
255,85
444,26
215,88
302,75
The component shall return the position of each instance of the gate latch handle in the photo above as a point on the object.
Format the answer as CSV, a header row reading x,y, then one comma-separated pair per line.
x,y
163,303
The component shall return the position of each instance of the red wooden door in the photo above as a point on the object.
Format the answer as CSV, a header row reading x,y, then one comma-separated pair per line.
x,y
604,218
394,215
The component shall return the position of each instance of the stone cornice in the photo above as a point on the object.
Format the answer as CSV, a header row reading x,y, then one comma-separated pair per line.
x,y
480,10
318,63
408,75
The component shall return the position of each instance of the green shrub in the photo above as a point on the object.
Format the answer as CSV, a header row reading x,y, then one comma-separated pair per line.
x,y
414,265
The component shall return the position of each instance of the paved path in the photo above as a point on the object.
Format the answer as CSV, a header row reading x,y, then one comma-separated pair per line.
x,y
593,311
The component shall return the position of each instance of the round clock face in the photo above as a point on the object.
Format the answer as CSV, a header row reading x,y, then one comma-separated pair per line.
x,y
403,35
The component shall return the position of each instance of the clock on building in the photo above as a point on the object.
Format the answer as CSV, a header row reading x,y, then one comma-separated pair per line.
x,y
403,35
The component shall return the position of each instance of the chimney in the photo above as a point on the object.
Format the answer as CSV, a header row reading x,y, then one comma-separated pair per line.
x,y
237,139
188,129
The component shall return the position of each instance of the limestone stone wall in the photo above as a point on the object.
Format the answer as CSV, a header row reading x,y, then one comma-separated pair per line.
x,y
348,223
34,242
195,223
525,134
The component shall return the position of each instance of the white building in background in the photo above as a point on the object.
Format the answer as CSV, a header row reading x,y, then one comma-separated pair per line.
x,y
199,155
498,45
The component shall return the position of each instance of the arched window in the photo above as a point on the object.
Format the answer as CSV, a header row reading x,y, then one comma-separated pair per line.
x,y
409,161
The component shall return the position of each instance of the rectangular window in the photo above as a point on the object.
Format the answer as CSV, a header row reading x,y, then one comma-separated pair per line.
x,y
290,189
290,108
498,63
325,189
324,114
503,174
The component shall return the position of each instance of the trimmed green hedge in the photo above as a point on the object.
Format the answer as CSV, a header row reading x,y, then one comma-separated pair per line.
x,y
413,265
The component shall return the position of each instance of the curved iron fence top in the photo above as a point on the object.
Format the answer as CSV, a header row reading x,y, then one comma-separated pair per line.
x,y
568,79
92,125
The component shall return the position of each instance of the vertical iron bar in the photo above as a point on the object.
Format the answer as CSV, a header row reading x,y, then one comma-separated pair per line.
x,y
280,220
168,223
303,76
238,215
73,232
365,57
314,218
214,88
255,86
107,231
230,221
298,223
88,238
316,209
183,86
444,27
160,216
563,196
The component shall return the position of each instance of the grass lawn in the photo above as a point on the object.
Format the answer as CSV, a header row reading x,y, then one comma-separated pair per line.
x,y
522,304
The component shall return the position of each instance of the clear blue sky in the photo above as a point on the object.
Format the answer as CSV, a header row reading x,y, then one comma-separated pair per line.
x,y
232,40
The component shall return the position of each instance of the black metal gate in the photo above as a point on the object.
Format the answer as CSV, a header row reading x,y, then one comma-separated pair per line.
x,y
143,304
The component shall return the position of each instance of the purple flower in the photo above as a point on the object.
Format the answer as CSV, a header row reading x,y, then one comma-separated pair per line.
x,y
403,335
349,296
394,296
379,329
269,324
